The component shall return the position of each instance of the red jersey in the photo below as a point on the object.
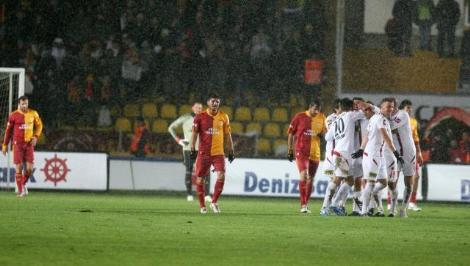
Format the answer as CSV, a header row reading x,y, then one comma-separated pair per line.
x,y
306,129
211,130
25,126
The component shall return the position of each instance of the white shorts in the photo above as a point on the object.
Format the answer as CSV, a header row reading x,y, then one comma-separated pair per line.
x,y
343,163
328,165
356,169
409,167
391,166
374,167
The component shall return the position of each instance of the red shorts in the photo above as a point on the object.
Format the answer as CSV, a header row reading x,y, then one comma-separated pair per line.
x,y
204,162
304,163
23,153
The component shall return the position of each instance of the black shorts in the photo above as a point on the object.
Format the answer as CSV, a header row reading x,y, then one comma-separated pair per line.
x,y
188,163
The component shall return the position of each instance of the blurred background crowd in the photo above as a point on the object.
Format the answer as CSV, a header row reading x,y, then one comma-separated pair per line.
x,y
95,67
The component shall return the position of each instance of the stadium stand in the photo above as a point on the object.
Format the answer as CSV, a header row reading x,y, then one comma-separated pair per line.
x,y
243,114
149,110
261,114
123,124
168,111
253,128
272,130
132,110
237,128
160,126
280,114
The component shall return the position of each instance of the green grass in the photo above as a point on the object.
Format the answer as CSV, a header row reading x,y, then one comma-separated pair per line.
x,y
145,229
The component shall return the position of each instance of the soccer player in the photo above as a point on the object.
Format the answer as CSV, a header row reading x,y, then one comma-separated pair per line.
x,y
407,106
27,128
359,134
304,130
342,132
403,140
328,166
374,166
213,129
186,123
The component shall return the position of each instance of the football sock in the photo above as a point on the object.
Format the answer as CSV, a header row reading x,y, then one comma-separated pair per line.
x,y
413,197
219,186
406,197
26,176
19,182
366,197
302,188
309,189
393,200
188,182
356,196
342,194
201,195
330,190
377,192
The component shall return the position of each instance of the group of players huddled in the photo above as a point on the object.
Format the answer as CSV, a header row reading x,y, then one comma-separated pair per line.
x,y
367,146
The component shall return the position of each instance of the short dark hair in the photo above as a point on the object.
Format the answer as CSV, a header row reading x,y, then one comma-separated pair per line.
x,y
315,102
388,99
23,98
213,95
405,103
358,98
370,102
346,104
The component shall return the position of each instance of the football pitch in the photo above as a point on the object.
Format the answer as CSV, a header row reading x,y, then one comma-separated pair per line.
x,y
51,228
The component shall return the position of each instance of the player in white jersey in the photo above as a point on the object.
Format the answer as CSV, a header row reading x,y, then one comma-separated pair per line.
x,y
403,140
359,134
328,165
342,132
374,167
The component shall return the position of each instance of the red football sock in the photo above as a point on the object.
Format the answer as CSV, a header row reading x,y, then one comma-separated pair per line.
x,y
19,182
308,191
219,186
26,176
201,194
413,197
302,189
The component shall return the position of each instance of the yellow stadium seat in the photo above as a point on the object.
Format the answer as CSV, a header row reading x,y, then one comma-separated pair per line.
x,y
228,110
285,128
237,127
160,126
261,114
123,124
243,114
168,111
253,128
131,110
263,146
184,109
272,130
280,147
149,110
42,139
280,115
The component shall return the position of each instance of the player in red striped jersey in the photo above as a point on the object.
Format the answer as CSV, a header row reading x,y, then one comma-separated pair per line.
x,y
306,127
213,129
24,128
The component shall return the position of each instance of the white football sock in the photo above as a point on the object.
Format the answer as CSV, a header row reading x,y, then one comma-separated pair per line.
x,y
330,190
341,195
366,194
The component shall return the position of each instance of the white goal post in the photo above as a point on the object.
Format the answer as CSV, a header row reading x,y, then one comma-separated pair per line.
x,y
12,85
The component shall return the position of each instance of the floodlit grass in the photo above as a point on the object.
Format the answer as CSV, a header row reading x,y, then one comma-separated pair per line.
x,y
49,228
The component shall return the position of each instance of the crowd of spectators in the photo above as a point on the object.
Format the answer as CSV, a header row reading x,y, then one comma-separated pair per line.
x,y
80,55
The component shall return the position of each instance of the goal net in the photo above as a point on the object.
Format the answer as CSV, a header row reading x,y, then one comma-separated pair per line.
x,y
11,88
